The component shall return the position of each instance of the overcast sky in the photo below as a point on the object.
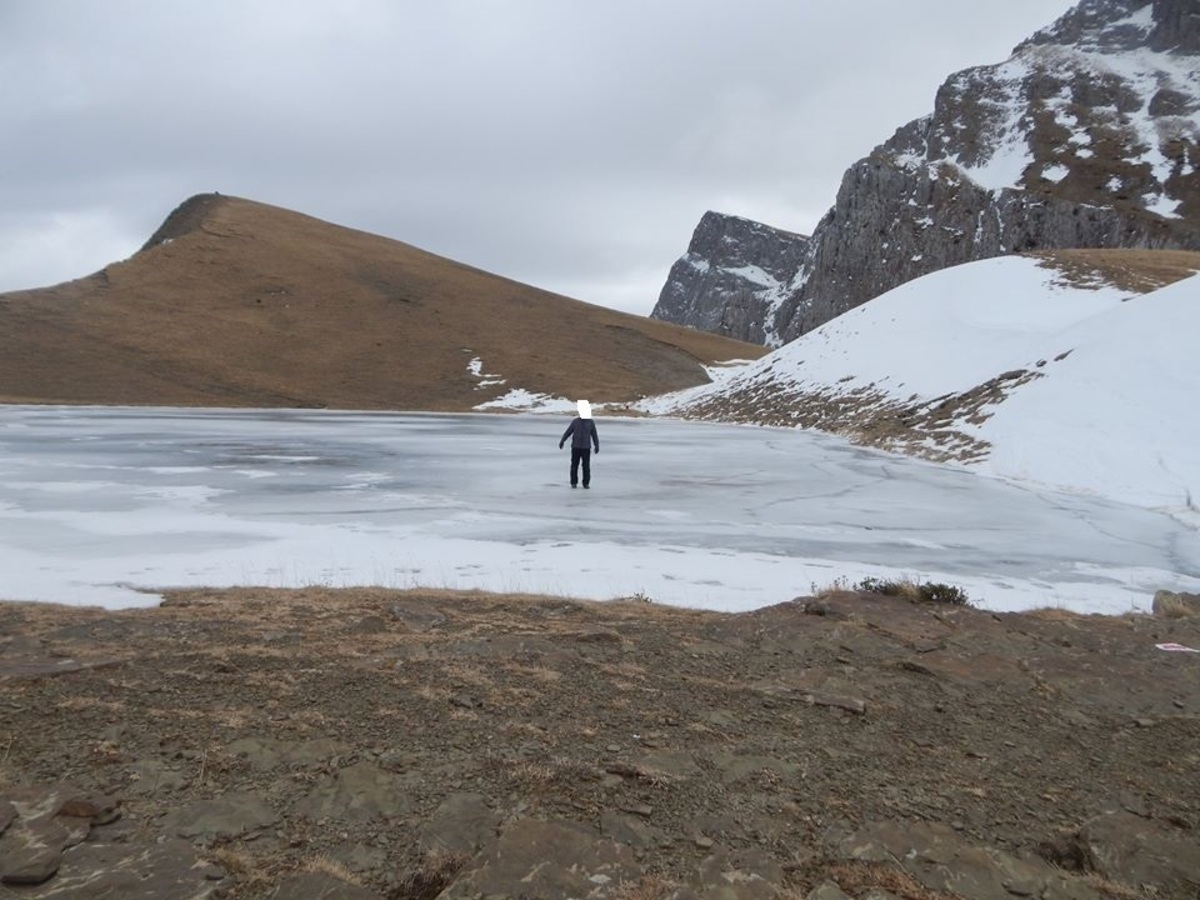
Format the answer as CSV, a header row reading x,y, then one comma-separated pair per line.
x,y
571,145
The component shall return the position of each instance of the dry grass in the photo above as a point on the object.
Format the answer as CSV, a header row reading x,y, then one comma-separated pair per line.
x,y
1135,271
1171,606
1111,889
250,305
251,873
323,865
439,868
538,776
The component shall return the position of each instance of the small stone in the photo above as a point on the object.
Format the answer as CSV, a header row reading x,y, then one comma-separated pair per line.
x,y
704,842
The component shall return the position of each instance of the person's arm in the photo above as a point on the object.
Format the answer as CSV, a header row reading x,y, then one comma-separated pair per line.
x,y
595,435
566,434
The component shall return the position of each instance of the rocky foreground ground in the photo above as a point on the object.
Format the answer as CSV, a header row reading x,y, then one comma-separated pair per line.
x,y
387,745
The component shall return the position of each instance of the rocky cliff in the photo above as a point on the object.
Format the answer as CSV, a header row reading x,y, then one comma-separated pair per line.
x,y
1087,136
733,270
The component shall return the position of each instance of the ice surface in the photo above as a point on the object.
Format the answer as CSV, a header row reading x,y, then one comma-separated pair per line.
x,y
98,505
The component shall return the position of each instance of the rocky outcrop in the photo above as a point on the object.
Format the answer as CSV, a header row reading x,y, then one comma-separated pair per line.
x,y
57,841
733,277
1086,137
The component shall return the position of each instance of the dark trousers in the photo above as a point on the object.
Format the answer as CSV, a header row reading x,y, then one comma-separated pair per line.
x,y
584,456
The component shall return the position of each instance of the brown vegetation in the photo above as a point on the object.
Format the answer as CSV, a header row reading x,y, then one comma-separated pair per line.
x,y
1135,271
236,303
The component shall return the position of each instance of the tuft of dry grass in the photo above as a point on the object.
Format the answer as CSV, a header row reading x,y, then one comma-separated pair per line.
x,y
438,870
1169,605
1111,889
324,865
244,867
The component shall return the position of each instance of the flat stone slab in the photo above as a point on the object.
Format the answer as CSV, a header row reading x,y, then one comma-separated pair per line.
x,y
230,815
320,886
547,859
358,792
168,871
938,857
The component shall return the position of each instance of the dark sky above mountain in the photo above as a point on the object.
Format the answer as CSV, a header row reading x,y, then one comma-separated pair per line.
x,y
571,145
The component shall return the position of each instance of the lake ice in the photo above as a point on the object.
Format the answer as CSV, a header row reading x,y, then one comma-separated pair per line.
x,y
104,506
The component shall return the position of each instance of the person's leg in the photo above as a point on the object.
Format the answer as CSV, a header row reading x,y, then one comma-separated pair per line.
x,y
575,454
587,466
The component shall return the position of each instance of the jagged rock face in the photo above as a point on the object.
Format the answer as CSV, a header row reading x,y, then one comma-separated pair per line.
x,y
732,278
1087,136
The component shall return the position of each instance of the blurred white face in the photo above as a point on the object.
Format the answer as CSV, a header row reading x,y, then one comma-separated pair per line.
x,y
585,409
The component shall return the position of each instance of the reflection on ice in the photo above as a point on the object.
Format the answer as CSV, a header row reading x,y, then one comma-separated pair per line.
x,y
97,505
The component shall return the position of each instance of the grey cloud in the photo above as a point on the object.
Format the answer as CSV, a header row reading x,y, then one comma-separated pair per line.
x,y
559,142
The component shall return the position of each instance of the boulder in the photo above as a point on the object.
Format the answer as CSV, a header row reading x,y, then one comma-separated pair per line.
x,y
463,823
1142,852
31,852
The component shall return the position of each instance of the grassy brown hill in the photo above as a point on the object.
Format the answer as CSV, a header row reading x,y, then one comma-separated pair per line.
x,y
237,303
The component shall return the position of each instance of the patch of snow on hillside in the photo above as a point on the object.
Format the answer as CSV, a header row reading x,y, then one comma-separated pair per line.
x,y
521,400
475,367
1011,153
755,274
1162,205
1056,172
944,333
720,375
1142,19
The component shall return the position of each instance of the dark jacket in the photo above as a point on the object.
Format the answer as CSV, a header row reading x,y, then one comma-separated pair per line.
x,y
584,431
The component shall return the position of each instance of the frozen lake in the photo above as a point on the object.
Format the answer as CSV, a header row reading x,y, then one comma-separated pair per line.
x,y
99,505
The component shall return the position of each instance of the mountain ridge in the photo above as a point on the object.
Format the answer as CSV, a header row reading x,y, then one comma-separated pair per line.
x,y
1085,137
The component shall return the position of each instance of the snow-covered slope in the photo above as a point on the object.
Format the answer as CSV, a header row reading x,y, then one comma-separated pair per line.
x,y
1041,369
1118,416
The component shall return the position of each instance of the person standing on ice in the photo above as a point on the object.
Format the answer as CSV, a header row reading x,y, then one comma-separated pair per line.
x,y
582,432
